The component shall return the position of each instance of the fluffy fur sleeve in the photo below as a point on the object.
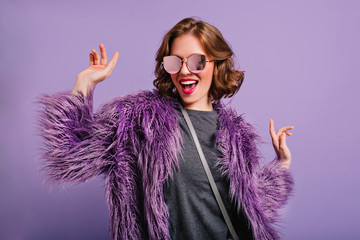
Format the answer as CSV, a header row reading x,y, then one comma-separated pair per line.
x,y
273,183
76,144
259,190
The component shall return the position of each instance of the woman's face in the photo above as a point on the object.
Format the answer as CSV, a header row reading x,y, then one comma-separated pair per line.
x,y
196,95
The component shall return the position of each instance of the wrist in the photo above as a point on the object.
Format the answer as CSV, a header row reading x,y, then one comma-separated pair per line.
x,y
285,162
82,86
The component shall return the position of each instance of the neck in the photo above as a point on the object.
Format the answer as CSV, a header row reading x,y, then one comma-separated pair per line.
x,y
207,106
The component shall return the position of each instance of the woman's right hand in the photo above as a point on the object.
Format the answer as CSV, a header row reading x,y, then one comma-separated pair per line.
x,y
97,71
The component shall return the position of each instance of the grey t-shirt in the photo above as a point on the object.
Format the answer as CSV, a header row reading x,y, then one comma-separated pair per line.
x,y
194,212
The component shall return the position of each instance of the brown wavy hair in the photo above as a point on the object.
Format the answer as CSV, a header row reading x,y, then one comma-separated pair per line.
x,y
226,80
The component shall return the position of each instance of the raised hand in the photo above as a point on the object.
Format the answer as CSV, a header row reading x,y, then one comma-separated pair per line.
x,y
279,142
99,69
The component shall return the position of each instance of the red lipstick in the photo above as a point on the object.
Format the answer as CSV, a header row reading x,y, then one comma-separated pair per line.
x,y
188,85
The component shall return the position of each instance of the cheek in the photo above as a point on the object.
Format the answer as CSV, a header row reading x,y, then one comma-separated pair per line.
x,y
208,75
174,78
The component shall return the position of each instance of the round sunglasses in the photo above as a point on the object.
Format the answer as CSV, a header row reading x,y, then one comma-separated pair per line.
x,y
195,63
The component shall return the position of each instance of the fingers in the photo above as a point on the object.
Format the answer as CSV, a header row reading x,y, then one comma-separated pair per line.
x,y
275,136
284,129
91,56
271,129
282,146
103,60
109,68
115,57
114,60
283,140
96,57
279,140
282,133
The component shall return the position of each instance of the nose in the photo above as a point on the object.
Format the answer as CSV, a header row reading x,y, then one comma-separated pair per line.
x,y
184,68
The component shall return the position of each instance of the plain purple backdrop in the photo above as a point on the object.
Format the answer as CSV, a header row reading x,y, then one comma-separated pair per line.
x,y
302,68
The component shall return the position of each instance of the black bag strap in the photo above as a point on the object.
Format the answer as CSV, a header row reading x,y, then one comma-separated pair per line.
x,y
209,175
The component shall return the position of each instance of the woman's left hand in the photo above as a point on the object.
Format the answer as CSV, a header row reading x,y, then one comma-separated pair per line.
x,y
279,142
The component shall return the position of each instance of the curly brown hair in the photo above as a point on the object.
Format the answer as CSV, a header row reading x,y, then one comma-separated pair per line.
x,y
226,80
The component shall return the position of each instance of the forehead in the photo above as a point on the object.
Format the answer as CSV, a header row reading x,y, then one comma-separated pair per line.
x,y
186,45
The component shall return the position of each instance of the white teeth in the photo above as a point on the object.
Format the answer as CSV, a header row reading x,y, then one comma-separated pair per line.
x,y
188,82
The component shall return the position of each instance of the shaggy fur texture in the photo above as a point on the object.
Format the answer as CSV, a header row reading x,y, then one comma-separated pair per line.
x,y
135,141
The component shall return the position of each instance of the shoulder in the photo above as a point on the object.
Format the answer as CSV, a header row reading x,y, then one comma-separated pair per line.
x,y
236,125
241,133
137,106
147,102
228,117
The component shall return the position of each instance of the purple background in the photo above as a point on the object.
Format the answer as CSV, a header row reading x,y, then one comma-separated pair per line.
x,y
302,68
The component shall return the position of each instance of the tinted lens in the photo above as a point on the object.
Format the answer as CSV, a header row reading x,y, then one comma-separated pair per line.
x,y
196,63
172,64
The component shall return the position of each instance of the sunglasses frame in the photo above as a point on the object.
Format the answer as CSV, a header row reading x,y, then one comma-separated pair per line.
x,y
182,62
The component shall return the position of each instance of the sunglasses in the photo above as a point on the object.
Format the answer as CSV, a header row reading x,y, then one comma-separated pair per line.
x,y
195,63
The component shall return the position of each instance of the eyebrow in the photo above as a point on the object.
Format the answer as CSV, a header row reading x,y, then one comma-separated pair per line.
x,y
188,56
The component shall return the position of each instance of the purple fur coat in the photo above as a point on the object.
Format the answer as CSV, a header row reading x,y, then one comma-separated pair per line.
x,y
134,140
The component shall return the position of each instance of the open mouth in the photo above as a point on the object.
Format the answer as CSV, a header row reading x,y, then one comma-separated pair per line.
x,y
188,85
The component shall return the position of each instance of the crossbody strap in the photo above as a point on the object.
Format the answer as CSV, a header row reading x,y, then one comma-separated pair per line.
x,y
209,176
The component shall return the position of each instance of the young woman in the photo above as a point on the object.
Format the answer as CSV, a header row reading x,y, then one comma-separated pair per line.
x,y
156,187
